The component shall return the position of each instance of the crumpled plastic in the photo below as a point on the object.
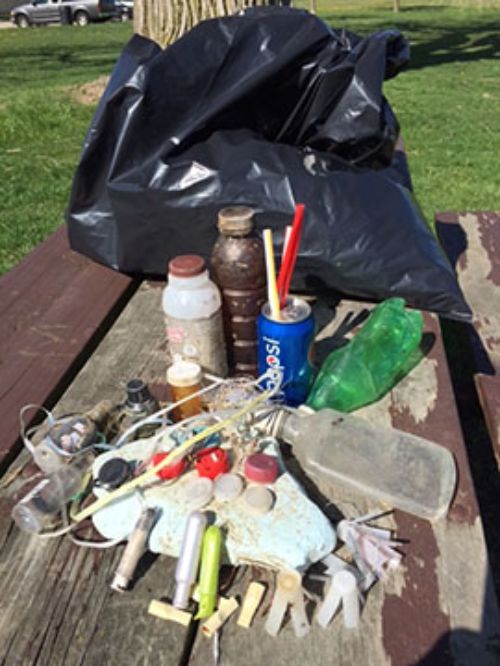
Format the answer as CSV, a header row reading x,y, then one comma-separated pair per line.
x,y
267,109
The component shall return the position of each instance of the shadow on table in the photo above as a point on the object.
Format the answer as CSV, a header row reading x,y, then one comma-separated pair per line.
x,y
463,646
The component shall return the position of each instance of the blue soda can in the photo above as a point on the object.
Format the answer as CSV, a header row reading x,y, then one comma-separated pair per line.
x,y
286,345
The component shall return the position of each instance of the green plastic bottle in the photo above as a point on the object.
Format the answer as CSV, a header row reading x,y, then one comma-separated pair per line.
x,y
385,349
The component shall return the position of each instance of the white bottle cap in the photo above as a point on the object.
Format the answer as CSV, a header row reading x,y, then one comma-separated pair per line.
x,y
228,487
258,499
184,373
198,492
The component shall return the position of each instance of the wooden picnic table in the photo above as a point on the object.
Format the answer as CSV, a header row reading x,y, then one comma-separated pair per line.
x,y
56,606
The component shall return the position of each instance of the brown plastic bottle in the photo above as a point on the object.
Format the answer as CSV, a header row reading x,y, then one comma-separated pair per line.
x,y
239,269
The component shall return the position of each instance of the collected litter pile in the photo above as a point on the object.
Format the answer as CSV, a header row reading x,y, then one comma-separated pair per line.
x,y
206,478
278,109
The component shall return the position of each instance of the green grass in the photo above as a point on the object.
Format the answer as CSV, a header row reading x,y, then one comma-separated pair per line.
x,y
41,126
448,104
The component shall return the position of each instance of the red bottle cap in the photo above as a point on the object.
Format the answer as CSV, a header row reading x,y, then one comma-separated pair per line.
x,y
212,462
186,265
261,468
171,471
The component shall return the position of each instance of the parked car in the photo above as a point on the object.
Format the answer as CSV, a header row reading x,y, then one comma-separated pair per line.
x,y
125,9
79,12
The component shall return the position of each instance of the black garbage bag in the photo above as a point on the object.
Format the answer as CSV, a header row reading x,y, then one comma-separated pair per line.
x,y
267,109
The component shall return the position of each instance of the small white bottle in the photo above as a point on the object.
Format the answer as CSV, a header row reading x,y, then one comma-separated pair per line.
x,y
193,315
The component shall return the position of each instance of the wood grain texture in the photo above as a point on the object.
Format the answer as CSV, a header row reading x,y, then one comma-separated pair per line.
x,y
64,612
56,607
54,306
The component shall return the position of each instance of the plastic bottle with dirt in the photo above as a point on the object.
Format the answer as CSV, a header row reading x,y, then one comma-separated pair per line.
x,y
193,315
238,265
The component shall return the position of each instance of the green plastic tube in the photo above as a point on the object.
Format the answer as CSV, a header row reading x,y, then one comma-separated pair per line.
x,y
208,584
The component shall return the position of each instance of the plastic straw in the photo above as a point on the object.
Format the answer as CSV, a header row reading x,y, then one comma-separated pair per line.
x,y
292,248
288,232
272,289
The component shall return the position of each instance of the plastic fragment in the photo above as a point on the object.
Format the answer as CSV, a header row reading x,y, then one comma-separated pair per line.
x,y
253,598
288,592
226,608
168,612
372,548
343,590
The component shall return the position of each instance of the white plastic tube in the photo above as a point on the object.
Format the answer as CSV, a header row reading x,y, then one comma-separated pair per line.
x,y
343,590
189,558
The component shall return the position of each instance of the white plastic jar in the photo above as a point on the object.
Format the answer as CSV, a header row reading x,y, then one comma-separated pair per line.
x,y
193,315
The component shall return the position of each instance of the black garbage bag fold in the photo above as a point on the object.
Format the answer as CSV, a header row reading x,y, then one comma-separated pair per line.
x,y
267,109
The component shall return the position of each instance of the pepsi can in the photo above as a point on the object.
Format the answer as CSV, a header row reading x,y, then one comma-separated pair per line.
x,y
286,346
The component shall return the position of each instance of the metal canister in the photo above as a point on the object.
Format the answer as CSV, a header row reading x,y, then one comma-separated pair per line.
x,y
286,345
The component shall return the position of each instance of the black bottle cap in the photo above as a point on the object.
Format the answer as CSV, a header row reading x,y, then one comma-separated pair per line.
x,y
114,473
138,392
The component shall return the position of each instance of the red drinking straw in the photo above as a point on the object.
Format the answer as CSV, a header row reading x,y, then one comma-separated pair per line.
x,y
290,256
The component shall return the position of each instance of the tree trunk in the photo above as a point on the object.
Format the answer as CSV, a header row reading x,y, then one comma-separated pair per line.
x,y
397,5
164,21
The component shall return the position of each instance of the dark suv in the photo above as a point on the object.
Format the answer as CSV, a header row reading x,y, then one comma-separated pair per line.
x,y
80,12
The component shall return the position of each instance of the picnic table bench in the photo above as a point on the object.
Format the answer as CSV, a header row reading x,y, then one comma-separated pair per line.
x,y
56,607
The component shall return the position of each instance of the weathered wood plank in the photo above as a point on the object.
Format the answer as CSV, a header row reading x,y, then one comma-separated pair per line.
x,y
437,608
472,241
488,390
56,607
418,615
55,306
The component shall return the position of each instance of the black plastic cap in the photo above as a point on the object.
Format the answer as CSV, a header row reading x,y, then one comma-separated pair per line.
x,y
138,392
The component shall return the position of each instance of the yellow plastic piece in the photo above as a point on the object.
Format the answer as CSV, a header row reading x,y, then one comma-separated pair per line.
x,y
251,603
175,454
226,608
168,612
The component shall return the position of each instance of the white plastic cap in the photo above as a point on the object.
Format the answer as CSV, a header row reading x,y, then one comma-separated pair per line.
x,y
258,499
184,373
198,492
228,487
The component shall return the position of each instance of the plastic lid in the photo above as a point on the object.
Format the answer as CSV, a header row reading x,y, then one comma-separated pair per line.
x,y
212,462
184,373
258,499
114,473
171,471
137,392
236,220
186,265
261,468
198,492
228,487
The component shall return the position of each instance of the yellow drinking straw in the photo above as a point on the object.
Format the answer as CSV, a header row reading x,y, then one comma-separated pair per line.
x,y
272,289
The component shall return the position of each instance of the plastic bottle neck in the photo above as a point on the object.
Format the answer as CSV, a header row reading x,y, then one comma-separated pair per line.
x,y
193,282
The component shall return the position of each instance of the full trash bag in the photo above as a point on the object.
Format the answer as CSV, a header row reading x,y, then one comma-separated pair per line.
x,y
267,108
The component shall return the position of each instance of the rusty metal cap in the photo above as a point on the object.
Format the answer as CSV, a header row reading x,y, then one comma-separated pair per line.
x,y
186,265
236,220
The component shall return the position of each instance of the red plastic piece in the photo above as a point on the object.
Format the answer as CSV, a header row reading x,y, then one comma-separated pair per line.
x,y
171,471
212,462
261,468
